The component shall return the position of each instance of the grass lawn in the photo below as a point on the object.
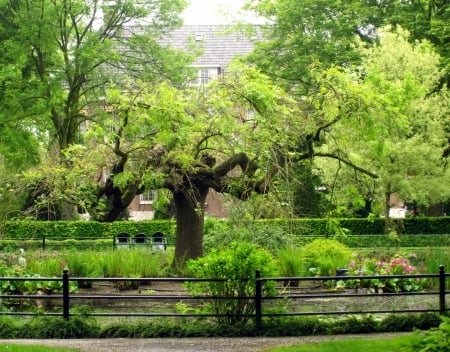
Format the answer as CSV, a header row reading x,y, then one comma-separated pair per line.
x,y
355,345
34,348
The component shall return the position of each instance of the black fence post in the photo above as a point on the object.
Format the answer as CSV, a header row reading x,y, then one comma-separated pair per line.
x,y
43,243
441,289
114,242
65,279
258,301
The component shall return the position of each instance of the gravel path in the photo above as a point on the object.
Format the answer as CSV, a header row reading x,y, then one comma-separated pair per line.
x,y
251,344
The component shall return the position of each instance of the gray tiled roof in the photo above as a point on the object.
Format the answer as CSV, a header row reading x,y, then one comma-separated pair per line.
x,y
218,43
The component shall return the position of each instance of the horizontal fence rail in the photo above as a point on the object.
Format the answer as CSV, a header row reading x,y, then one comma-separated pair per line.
x,y
145,297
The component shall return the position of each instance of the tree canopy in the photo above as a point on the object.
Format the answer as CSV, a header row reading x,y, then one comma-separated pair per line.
x,y
403,135
308,37
59,57
189,142
327,92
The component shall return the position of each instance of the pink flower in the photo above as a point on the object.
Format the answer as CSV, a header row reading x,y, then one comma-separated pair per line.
x,y
410,269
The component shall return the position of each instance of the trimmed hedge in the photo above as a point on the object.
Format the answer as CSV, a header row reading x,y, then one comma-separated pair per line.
x,y
82,229
409,229
82,327
365,241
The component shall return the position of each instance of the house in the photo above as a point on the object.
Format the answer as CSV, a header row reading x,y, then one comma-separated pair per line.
x,y
219,45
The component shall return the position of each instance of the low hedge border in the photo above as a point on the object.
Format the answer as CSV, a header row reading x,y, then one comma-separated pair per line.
x,y
82,327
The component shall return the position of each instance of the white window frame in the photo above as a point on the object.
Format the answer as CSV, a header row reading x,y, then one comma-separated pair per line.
x,y
147,197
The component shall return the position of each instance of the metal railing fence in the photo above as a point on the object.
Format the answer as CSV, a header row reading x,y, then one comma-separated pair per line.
x,y
145,300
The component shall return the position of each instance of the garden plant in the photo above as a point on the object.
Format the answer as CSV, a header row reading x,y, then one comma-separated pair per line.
x,y
235,269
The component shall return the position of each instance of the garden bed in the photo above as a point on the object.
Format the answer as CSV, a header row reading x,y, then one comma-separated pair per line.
x,y
307,300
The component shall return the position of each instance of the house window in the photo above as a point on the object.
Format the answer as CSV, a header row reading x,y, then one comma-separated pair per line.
x,y
147,197
206,74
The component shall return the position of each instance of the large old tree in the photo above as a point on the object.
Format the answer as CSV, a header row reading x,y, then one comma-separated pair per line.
x,y
231,137
227,138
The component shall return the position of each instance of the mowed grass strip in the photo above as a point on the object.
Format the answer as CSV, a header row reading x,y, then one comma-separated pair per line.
x,y
396,344
34,348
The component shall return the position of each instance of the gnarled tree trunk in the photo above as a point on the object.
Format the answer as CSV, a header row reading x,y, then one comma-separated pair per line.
x,y
190,216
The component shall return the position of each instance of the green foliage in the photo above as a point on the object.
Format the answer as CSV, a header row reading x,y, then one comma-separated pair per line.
x,y
235,267
34,286
324,256
434,340
353,325
335,230
433,258
384,106
271,237
408,322
82,327
59,328
111,263
272,234
290,262
83,229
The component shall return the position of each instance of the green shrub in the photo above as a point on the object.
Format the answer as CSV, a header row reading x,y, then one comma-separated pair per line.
x,y
294,326
8,327
408,322
325,256
235,267
353,325
290,262
27,229
434,340
85,327
219,234
59,328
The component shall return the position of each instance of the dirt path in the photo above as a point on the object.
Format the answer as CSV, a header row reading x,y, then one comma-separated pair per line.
x,y
252,344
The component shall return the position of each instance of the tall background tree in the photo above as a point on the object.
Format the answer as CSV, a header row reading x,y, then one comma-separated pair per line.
x,y
402,136
307,37
63,55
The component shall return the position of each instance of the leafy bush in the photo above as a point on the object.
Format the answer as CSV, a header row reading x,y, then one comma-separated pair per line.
x,y
235,267
269,236
353,325
408,322
325,256
434,340
19,287
59,328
